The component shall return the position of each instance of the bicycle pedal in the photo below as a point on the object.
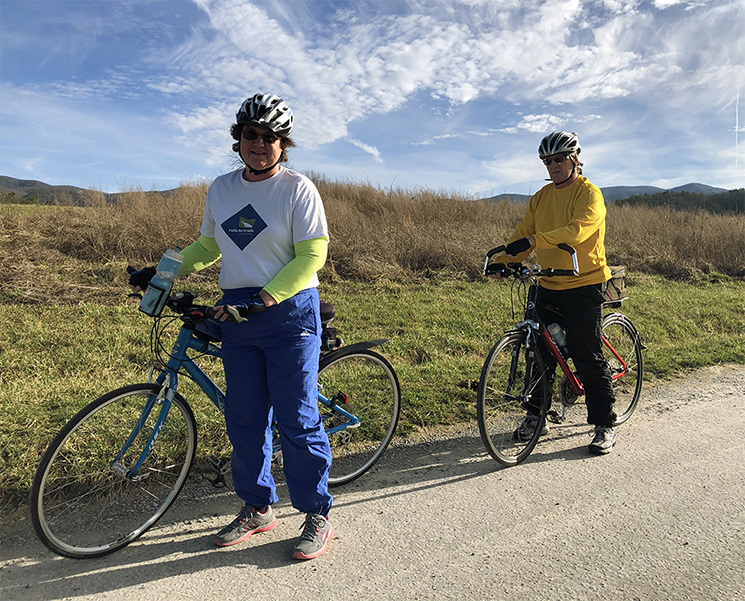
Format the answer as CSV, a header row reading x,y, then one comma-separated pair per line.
x,y
219,464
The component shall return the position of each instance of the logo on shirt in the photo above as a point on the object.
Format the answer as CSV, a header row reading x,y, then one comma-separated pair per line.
x,y
244,226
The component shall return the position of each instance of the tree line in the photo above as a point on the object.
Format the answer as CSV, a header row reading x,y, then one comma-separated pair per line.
x,y
731,201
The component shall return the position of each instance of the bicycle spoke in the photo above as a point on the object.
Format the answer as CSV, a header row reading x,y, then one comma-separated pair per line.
x,y
622,351
366,387
82,506
505,395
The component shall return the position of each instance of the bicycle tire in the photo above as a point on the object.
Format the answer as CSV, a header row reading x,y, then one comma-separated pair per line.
x,y
624,339
81,506
368,383
501,398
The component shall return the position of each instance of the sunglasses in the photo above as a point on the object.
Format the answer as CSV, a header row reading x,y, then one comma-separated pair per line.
x,y
558,159
251,135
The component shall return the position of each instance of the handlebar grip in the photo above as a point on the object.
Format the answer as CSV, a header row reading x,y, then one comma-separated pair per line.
x,y
573,253
495,251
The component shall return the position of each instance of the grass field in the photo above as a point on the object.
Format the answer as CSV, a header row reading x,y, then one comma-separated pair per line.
x,y
403,267
57,358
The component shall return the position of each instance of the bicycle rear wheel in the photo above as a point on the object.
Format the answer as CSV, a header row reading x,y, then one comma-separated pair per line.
x,y
364,385
625,363
506,387
83,504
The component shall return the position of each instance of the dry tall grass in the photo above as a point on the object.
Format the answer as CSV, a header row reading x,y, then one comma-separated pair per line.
x,y
64,251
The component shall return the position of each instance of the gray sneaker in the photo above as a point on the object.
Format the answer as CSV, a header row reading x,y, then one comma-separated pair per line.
x,y
525,430
248,522
317,532
603,440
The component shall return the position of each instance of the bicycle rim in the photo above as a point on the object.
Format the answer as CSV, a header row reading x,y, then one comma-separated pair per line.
x,y
80,505
364,384
502,397
627,368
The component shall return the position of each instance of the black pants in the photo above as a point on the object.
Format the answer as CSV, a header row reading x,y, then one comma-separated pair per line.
x,y
580,314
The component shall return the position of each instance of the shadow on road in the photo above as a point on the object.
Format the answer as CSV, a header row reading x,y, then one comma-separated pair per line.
x,y
182,542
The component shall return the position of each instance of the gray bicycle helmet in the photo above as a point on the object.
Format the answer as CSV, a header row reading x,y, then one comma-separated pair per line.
x,y
559,141
267,110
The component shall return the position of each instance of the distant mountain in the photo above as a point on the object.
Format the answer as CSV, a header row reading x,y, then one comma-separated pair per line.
x,y
612,193
510,197
698,189
618,192
46,193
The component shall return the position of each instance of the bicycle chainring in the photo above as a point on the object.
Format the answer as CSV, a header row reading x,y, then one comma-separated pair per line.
x,y
565,394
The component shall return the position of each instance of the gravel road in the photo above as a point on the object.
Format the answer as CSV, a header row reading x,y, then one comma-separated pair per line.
x,y
661,518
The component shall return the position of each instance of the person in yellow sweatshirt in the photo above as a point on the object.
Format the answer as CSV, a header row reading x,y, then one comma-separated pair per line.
x,y
571,210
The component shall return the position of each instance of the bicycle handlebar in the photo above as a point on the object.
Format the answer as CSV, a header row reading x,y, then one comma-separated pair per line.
x,y
183,304
519,270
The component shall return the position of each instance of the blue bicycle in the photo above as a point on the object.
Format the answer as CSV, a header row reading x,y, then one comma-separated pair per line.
x,y
118,465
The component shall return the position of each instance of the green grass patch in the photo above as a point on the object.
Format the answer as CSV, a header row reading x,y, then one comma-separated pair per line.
x,y
56,359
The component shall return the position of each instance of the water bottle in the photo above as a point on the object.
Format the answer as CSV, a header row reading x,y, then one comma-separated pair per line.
x,y
559,338
160,285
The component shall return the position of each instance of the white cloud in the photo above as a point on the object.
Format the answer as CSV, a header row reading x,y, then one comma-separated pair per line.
x,y
626,73
371,150
374,63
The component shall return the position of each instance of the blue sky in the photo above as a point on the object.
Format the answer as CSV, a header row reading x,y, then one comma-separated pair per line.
x,y
447,96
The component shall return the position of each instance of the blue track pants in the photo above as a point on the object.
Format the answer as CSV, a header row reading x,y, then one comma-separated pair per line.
x,y
271,368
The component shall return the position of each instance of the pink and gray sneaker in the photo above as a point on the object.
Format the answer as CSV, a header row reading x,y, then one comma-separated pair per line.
x,y
317,532
249,521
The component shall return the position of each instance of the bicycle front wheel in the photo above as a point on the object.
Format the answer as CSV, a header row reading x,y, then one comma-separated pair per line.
x,y
83,501
624,359
364,386
512,378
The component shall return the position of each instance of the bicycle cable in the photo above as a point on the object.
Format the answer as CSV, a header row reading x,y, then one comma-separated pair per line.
x,y
159,350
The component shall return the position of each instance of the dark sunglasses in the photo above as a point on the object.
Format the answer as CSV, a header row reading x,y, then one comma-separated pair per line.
x,y
251,135
559,159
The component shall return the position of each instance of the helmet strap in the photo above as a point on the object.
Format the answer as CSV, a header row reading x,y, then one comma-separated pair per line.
x,y
567,179
574,170
261,171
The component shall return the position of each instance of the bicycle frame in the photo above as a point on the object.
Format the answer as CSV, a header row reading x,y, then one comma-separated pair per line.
x,y
533,323
576,384
190,339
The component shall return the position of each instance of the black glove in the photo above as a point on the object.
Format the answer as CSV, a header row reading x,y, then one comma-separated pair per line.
x,y
140,277
500,268
518,246
252,307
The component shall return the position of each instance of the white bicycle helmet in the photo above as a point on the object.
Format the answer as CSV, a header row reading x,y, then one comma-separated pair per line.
x,y
559,141
267,110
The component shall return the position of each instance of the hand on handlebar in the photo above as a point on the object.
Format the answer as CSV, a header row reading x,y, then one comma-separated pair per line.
x,y
239,312
498,271
140,278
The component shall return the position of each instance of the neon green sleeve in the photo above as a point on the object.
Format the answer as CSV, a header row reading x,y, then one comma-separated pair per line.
x,y
199,255
310,256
